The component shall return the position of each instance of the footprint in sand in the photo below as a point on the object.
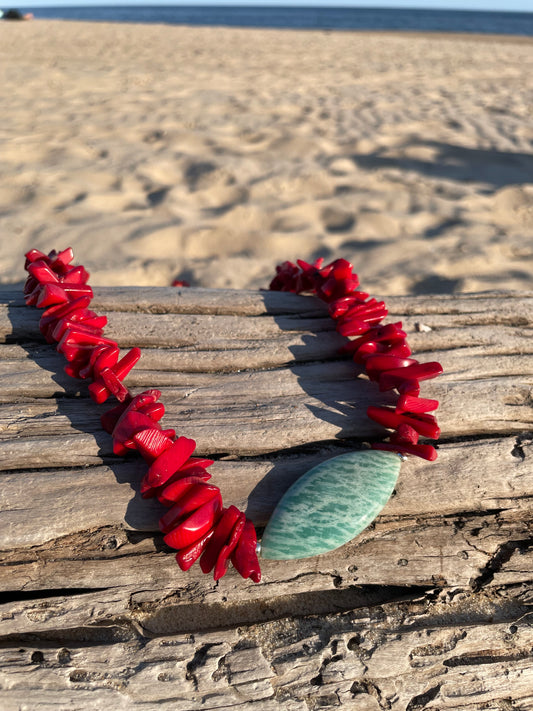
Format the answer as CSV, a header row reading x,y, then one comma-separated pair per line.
x,y
204,174
513,206
335,219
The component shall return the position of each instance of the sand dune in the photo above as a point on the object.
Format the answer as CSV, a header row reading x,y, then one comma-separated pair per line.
x,y
212,154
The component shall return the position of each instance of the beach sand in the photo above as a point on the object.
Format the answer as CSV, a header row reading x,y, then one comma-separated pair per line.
x,y
211,154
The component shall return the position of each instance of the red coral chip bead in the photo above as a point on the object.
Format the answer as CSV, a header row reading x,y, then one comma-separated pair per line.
x,y
169,461
193,527
423,424
75,341
172,492
65,323
186,557
50,294
375,365
244,557
390,332
398,350
126,363
75,367
194,462
409,403
113,384
30,285
151,443
101,357
223,529
192,499
156,411
33,256
333,289
41,271
76,275
352,327
425,451
110,418
404,434
342,269
221,565
408,387
100,391
420,371
54,313
129,424
339,307
55,294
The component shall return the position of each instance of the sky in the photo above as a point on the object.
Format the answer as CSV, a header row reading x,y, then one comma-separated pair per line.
x,y
505,5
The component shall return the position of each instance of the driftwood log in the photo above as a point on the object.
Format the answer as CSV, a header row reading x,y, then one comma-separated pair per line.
x,y
430,608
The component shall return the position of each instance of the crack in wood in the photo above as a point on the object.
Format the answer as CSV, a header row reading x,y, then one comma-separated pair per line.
x,y
498,559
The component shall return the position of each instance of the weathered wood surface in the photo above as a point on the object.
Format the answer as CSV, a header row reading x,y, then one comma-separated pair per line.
x,y
429,608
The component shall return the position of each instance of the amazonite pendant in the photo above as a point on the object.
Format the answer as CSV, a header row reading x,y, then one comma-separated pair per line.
x,y
330,504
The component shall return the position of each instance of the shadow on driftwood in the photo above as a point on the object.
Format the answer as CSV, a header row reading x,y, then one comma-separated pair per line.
x,y
73,402
337,394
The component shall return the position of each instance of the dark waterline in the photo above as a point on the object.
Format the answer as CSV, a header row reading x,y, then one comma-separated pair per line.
x,y
316,18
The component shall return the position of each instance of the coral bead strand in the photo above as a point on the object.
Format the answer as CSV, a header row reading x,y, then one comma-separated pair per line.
x,y
381,349
196,523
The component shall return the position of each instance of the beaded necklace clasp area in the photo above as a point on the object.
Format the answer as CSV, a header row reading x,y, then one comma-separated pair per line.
x,y
306,521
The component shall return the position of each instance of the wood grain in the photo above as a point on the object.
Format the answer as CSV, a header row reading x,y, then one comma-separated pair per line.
x,y
428,608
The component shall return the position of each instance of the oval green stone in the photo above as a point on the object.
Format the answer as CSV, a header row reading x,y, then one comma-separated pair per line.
x,y
330,504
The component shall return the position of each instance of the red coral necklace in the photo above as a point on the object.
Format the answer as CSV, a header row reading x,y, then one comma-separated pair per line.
x,y
326,507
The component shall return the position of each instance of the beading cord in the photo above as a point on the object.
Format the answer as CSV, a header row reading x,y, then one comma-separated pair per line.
x,y
197,524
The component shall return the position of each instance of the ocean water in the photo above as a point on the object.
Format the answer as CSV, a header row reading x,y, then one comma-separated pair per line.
x,y
321,18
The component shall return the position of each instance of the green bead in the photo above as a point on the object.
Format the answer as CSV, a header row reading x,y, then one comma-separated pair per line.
x,y
330,504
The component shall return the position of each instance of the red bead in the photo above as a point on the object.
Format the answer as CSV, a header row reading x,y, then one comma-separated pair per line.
x,y
41,271
423,424
222,532
113,384
244,557
192,500
352,327
195,462
151,443
169,461
408,403
221,565
186,557
176,489
425,451
376,365
54,313
340,306
33,256
100,390
76,275
110,418
129,424
420,371
335,288
342,269
101,357
405,434
156,411
193,527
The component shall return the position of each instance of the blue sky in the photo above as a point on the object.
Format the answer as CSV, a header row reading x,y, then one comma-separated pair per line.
x,y
505,5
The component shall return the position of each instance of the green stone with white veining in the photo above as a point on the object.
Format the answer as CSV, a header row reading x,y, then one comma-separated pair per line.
x,y
330,504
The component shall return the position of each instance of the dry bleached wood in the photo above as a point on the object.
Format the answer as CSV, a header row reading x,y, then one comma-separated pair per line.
x,y
253,375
